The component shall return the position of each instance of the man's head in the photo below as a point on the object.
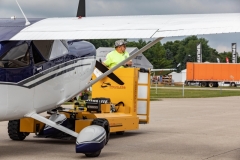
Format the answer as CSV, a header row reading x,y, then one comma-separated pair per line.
x,y
120,46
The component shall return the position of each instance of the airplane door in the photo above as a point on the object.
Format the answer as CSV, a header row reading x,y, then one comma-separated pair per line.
x,y
18,70
48,83
71,79
22,95
48,86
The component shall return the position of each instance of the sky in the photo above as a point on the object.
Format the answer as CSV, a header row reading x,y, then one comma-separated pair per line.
x,y
68,8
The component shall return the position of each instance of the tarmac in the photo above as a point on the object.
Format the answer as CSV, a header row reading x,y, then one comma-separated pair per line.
x,y
179,129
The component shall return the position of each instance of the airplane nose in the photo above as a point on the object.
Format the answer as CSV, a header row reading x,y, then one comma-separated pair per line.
x,y
3,101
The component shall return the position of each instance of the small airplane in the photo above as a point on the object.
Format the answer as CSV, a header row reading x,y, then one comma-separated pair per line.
x,y
45,62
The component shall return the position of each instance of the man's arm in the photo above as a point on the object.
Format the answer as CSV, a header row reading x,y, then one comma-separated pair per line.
x,y
108,61
129,63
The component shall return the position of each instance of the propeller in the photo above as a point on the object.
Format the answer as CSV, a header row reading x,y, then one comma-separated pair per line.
x,y
112,76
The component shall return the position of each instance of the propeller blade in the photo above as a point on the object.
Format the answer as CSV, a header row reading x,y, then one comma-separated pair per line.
x,y
112,76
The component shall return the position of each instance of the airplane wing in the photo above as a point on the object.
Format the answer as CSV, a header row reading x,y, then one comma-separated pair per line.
x,y
10,28
116,27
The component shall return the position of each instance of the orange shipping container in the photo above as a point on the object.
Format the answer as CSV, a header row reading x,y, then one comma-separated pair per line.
x,y
213,72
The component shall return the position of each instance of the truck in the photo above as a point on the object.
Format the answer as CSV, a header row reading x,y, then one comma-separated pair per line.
x,y
210,74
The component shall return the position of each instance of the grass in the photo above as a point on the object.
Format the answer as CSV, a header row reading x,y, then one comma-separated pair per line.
x,y
191,93
193,86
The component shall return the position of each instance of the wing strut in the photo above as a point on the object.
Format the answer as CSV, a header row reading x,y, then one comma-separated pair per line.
x,y
52,124
123,62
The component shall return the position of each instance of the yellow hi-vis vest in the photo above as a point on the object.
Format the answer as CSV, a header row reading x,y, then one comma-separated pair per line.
x,y
113,58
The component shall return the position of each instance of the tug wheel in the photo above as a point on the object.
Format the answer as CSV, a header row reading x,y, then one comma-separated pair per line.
x,y
105,124
13,131
120,133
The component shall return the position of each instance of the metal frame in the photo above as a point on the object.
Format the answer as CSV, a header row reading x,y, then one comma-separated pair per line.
x,y
52,124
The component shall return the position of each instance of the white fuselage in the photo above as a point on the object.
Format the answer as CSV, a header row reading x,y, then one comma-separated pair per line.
x,y
46,91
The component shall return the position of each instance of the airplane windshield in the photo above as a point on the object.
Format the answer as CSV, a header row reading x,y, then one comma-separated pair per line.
x,y
15,57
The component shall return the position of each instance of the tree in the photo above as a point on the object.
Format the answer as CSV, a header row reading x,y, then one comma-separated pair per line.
x,y
224,55
156,54
186,50
171,54
102,42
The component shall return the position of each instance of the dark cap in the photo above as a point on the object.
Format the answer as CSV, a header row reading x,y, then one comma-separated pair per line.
x,y
120,42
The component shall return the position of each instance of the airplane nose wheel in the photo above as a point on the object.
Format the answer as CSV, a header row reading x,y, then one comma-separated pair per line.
x,y
14,131
98,135
103,123
94,154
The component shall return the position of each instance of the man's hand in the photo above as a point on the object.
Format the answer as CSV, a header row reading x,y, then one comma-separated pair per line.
x,y
104,64
129,63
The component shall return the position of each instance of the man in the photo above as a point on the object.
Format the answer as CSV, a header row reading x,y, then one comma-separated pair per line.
x,y
117,55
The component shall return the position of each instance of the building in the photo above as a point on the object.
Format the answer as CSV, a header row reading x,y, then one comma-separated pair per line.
x,y
178,77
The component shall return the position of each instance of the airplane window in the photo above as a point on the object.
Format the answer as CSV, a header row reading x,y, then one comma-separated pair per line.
x,y
38,59
16,57
44,47
58,49
64,42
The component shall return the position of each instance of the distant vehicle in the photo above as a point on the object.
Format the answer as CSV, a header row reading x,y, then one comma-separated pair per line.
x,y
211,74
191,83
225,84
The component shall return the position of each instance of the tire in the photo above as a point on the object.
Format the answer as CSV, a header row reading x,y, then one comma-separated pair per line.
x,y
204,84
103,123
216,84
13,131
94,154
211,84
233,84
120,133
